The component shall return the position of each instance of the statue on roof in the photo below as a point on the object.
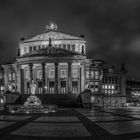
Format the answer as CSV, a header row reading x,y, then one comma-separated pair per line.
x,y
52,26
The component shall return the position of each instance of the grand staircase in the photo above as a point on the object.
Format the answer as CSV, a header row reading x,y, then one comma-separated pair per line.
x,y
61,100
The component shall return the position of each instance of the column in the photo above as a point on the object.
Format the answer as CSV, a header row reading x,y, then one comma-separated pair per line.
x,y
56,77
69,78
19,78
43,77
31,72
82,77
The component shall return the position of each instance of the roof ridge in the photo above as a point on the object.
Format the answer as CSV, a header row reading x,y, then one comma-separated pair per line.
x,y
59,35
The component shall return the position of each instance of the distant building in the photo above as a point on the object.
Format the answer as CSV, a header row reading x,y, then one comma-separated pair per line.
x,y
133,92
58,64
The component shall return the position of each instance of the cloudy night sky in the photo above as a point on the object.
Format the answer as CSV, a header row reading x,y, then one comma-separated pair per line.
x,y
111,27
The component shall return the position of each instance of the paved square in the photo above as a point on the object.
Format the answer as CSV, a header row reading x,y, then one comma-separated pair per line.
x,y
53,130
121,127
135,116
13,117
92,113
57,119
107,118
5,124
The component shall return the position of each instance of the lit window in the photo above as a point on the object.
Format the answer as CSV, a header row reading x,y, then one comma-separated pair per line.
x,y
105,91
113,87
92,74
112,91
63,73
51,74
14,76
109,86
105,86
109,91
87,74
27,75
75,73
9,76
96,74
25,50
96,89
39,74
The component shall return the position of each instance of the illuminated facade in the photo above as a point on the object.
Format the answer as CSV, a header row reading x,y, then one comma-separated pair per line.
x,y
57,63
133,92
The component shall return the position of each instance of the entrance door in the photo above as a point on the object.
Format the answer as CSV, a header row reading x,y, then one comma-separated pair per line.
x,y
63,87
75,87
51,87
28,87
39,87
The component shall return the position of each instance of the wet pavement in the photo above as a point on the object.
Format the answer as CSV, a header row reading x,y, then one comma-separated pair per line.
x,y
96,123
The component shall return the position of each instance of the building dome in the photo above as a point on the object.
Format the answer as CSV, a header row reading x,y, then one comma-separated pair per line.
x,y
59,40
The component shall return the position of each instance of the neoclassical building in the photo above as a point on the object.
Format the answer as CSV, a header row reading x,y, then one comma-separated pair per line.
x,y
57,63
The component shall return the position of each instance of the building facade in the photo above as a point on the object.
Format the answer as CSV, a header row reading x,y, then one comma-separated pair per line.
x,y
58,64
133,92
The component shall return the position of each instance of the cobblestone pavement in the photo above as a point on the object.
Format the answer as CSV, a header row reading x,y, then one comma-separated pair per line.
x,y
72,124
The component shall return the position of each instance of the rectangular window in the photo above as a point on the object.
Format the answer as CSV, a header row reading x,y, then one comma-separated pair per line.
x,y
14,76
74,87
96,75
51,74
68,46
39,74
64,46
75,73
39,47
63,73
92,74
25,50
10,76
43,46
96,89
34,48
73,47
27,75
59,45
87,74
113,87
30,49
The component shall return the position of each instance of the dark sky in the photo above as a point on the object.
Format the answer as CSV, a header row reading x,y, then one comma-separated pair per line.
x,y
111,27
